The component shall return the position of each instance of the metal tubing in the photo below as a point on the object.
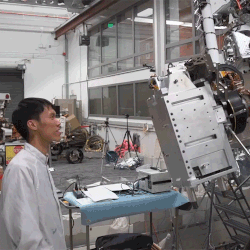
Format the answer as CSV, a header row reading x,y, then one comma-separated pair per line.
x,y
217,78
237,113
234,191
248,221
67,66
70,229
159,36
218,212
224,87
176,229
237,138
105,146
242,183
151,224
87,237
209,30
211,214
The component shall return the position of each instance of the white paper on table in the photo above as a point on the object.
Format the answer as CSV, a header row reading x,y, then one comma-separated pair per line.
x,y
100,193
84,201
117,187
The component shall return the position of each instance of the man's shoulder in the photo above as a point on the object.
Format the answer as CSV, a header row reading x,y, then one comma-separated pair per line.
x,y
21,160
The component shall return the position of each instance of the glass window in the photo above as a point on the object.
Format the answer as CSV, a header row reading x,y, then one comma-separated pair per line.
x,y
115,40
144,40
109,68
95,100
94,47
125,64
126,99
180,51
94,72
143,92
125,41
108,41
144,59
109,100
178,20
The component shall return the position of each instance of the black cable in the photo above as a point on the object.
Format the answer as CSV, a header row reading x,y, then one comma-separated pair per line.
x,y
71,177
139,192
68,188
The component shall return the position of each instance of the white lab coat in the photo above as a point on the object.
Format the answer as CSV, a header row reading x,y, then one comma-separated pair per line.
x,y
30,213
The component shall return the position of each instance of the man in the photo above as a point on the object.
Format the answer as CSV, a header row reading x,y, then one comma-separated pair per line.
x,y
30,214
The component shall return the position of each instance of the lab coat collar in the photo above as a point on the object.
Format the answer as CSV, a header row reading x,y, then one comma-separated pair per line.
x,y
33,150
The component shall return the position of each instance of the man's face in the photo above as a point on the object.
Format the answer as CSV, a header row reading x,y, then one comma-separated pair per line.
x,y
48,127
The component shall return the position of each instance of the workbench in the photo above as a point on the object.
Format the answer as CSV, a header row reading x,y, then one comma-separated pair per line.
x,y
126,205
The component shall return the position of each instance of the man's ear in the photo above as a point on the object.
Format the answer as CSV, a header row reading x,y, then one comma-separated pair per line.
x,y
32,124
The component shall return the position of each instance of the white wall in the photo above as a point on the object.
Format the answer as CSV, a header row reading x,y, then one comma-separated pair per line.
x,y
43,58
78,68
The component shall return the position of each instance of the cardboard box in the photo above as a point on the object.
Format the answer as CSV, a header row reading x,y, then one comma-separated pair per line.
x,y
73,122
69,104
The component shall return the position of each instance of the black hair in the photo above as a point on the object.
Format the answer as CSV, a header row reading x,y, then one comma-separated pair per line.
x,y
28,109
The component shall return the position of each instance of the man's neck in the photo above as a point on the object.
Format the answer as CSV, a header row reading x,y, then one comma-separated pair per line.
x,y
42,146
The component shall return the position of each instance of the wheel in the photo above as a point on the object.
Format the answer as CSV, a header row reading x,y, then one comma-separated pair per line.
x,y
74,155
56,149
94,143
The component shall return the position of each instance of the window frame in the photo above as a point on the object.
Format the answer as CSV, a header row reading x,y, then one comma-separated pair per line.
x,y
116,60
117,99
192,40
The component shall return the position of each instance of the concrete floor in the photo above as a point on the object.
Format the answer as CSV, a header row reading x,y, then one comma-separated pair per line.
x,y
89,172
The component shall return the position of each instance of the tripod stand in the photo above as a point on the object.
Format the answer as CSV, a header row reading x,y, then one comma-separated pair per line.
x,y
106,143
128,135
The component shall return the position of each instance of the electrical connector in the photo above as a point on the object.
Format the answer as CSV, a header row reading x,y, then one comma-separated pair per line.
x,y
78,194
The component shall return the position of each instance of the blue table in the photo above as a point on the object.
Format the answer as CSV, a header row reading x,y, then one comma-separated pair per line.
x,y
124,206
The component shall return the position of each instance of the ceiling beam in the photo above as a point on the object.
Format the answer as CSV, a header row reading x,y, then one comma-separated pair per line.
x,y
84,16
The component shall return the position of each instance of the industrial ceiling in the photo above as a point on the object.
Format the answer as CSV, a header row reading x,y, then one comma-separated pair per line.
x,y
74,6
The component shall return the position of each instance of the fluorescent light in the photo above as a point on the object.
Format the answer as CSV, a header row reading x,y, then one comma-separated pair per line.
x,y
187,25
169,22
146,13
143,20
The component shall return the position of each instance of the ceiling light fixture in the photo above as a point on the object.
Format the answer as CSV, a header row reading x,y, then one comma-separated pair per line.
x,y
146,13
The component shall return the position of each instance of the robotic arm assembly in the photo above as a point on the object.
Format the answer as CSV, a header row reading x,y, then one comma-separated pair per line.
x,y
199,106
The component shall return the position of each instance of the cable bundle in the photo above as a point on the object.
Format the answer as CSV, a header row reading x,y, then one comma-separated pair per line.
x,y
94,143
